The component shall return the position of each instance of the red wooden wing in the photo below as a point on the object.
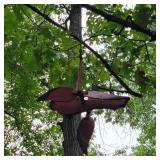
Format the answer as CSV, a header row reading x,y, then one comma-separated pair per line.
x,y
62,94
84,132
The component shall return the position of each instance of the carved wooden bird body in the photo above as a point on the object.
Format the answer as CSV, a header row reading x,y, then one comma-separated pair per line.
x,y
66,101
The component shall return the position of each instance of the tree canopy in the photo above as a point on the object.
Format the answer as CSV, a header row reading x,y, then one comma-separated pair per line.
x,y
40,53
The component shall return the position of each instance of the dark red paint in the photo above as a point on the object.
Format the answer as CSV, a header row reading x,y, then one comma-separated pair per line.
x,y
84,132
65,101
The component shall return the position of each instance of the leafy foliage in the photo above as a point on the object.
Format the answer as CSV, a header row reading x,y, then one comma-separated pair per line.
x,y
39,56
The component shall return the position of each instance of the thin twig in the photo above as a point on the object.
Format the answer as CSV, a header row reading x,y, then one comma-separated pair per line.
x,y
66,8
9,114
111,90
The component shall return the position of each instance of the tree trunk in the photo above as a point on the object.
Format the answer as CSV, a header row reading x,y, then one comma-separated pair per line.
x,y
70,123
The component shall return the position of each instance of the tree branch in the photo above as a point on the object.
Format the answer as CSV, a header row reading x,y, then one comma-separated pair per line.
x,y
120,21
111,90
9,114
103,61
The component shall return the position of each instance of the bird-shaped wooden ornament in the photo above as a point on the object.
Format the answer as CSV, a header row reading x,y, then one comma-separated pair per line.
x,y
67,101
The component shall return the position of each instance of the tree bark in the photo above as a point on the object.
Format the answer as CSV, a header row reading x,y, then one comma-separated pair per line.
x,y
70,123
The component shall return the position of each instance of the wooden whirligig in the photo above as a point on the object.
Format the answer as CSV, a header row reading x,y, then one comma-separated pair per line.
x,y
67,101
